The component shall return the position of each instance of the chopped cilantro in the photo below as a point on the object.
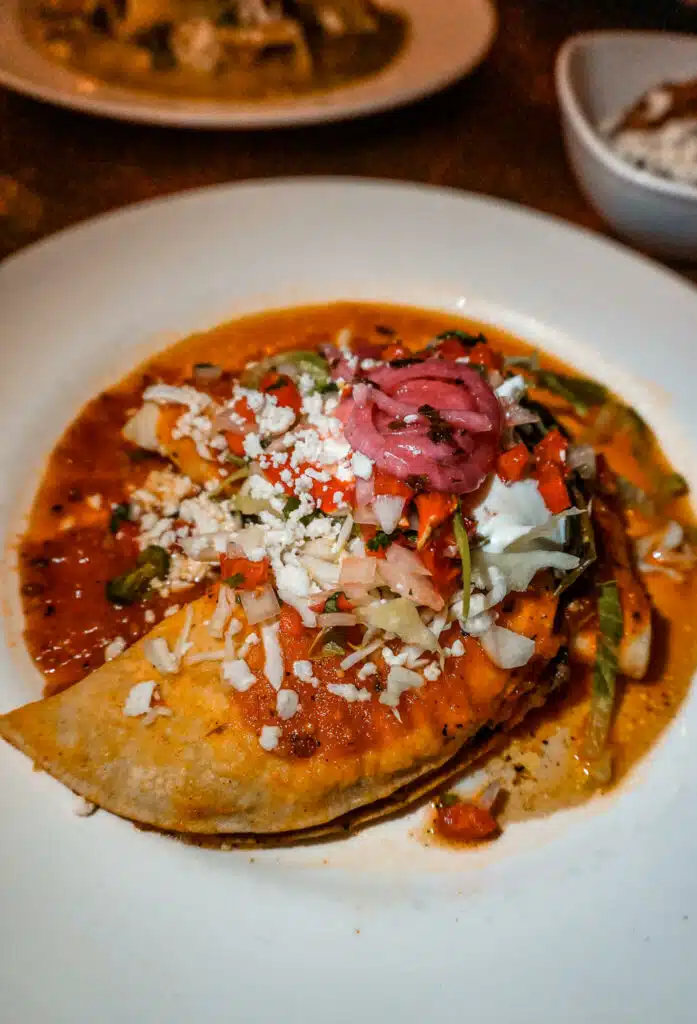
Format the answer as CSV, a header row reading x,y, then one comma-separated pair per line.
x,y
152,563
291,505
464,337
236,580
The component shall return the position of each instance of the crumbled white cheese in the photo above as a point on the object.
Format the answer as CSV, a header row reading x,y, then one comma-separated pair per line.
x,y
252,446
294,579
112,650
167,394
274,418
362,466
149,616
269,737
172,610
432,672
238,674
456,650
287,703
94,501
139,698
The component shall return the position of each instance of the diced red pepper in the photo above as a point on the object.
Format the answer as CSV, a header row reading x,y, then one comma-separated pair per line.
x,y
235,442
465,822
552,450
394,352
385,483
513,464
433,509
451,348
445,571
291,622
482,354
283,390
235,438
323,491
550,480
247,575
342,603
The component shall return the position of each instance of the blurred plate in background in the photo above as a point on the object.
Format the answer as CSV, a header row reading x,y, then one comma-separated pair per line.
x,y
448,39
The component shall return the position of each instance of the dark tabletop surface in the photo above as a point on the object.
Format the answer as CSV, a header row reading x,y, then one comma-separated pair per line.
x,y
496,132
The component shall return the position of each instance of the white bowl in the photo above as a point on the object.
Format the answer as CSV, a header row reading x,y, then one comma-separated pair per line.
x,y
598,75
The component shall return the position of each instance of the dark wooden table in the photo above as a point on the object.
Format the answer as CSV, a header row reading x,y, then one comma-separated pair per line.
x,y
496,132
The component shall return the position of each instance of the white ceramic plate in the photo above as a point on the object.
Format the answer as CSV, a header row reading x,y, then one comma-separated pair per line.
x,y
448,39
586,916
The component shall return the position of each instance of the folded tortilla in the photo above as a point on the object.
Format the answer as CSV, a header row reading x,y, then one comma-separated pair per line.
x,y
202,771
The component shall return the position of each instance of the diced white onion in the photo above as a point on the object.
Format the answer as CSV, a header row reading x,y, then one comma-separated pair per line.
x,y
260,605
330,619
406,560
364,515
358,571
507,649
418,589
141,429
400,617
388,509
364,490
323,572
344,535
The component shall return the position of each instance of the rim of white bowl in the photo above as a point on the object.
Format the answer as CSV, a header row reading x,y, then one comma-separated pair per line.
x,y
589,134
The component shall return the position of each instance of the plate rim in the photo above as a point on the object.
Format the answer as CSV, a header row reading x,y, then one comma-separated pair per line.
x,y
398,922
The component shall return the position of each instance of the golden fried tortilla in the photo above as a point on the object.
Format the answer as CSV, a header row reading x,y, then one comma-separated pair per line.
x,y
201,770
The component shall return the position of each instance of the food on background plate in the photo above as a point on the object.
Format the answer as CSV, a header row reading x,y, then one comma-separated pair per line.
x,y
218,49
293,574
659,132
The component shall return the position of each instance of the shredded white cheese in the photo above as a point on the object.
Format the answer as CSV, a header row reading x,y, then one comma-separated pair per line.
x,y
273,663
139,698
349,692
238,674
